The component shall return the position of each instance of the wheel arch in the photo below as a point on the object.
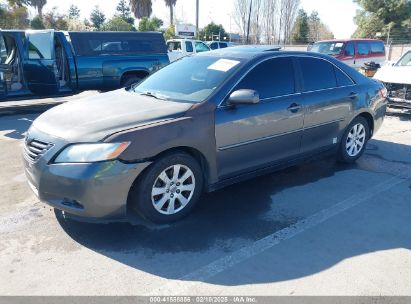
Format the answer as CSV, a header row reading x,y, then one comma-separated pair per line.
x,y
193,152
370,120
138,73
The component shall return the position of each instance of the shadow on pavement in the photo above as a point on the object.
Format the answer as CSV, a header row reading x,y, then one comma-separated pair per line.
x,y
14,127
224,221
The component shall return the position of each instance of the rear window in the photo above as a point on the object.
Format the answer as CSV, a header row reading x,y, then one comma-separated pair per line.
x,y
174,46
377,47
94,44
318,74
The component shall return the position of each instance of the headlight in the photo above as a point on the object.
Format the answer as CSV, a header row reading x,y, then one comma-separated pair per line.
x,y
87,153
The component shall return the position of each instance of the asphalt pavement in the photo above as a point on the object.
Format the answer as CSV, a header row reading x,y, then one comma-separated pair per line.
x,y
320,228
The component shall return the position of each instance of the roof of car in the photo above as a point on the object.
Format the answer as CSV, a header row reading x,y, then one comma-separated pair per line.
x,y
244,51
351,39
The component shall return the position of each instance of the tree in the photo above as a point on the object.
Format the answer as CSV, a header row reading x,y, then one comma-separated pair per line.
x,y
52,19
38,4
301,28
97,17
14,17
124,11
141,8
170,4
150,24
37,23
391,18
74,12
170,33
212,30
117,24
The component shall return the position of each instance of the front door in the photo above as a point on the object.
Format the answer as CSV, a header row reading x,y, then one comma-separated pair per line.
x,y
250,137
39,66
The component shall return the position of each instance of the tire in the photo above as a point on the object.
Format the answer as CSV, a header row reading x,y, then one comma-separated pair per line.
x,y
354,141
128,81
156,189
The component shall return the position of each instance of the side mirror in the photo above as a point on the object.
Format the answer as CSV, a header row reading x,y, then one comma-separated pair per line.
x,y
243,97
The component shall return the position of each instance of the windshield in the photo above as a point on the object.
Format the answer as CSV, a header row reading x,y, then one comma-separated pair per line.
x,y
328,48
405,60
191,79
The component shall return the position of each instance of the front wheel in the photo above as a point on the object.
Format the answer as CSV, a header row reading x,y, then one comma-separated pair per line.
x,y
169,189
354,140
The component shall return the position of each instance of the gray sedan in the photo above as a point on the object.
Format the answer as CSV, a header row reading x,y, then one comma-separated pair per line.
x,y
199,124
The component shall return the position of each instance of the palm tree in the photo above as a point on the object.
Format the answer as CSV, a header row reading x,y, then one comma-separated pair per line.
x,y
171,4
141,8
38,4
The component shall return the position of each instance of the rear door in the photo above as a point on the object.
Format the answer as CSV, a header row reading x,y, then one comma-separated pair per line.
x,y
39,65
328,95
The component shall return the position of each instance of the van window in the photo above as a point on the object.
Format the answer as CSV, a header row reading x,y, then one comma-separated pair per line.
x,y
363,48
377,47
214,46
318,74
223,45
349,49
274,77
328,48
174,46
189,47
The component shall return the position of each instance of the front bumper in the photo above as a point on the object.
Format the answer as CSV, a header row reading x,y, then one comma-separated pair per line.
x,y
86,190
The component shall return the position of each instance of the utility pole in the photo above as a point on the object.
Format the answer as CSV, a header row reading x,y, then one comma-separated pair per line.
x,y
248,26
197,15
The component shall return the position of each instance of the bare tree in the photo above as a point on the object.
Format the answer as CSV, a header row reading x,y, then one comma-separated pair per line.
x,y
271,21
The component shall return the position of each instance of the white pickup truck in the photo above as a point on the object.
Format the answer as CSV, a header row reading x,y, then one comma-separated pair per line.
x,y
178,48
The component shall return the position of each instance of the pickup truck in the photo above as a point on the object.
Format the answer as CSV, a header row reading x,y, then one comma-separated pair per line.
x,y
49,62
178,48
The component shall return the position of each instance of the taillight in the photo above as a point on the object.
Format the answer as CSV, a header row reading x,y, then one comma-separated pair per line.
x,y
383,92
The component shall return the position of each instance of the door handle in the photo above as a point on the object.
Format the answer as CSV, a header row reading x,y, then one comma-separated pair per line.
x,y
353,95
294,107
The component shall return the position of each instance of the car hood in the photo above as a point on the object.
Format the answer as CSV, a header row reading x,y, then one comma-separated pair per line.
x,y
93,118
394,74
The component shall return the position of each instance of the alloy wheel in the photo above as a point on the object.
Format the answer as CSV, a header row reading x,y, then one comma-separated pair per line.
x,y
356,140
173,189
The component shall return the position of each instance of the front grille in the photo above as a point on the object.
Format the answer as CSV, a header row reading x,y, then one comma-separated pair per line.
x,y
34,148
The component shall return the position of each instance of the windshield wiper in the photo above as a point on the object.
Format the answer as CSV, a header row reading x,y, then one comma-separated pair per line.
x,y
149,94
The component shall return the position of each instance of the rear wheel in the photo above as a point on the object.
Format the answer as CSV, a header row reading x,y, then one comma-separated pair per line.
x,y
354,140
169,189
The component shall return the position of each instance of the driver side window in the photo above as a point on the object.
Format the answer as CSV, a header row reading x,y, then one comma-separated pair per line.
x,y
271,78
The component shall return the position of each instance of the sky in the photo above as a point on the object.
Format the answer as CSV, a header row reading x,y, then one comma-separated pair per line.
x,y
336,14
